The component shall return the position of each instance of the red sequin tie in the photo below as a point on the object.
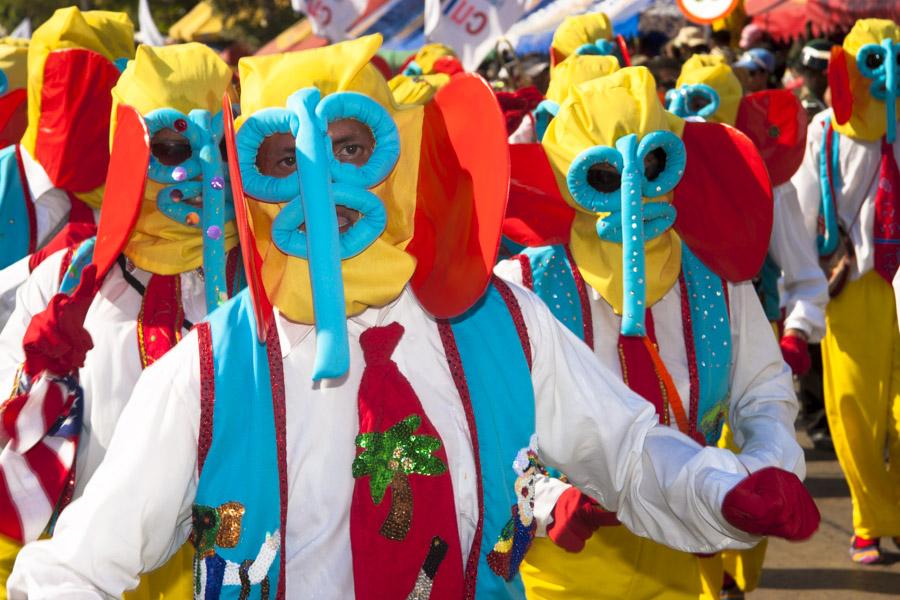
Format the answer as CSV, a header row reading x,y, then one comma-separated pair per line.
x,y
887,215
403,528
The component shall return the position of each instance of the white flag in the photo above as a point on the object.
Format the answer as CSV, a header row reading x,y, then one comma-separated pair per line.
x,y
148,33
471,27
22,30
331,18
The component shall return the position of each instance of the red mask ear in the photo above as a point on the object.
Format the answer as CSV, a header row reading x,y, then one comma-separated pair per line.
x,y
724,201
839,82
623,48
13,117
776,123
461,196
556,57
536,215
124,191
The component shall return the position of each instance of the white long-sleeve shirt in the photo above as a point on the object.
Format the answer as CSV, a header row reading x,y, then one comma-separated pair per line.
x,y
860,162
805,291
136,511
763,404
113,366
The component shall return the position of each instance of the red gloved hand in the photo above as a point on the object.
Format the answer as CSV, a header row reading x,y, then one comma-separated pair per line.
x,y
772,502
56,340
575,519
795,351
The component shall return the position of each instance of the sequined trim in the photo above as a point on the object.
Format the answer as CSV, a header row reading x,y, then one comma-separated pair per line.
x,y
207,393
515,311
276,378
231,269
29,202
691,353
527,273
586,319
454,361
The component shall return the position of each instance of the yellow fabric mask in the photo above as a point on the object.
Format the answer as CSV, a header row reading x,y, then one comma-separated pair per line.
x,y
576,70
184,77
110,34
714,72
578,30
597,113
14,62
429,54
379,273
417,89
868,118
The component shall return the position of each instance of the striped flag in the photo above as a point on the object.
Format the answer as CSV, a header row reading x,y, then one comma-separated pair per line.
x,y
37,463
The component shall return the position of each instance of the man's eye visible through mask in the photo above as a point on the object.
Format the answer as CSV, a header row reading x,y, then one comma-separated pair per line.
x,y
655,163
604,177
170,148
276,156
351,141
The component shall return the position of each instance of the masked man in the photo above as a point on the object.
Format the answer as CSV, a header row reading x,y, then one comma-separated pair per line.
x,y
355,440
167,247
13,97
847,186
51,182
668,316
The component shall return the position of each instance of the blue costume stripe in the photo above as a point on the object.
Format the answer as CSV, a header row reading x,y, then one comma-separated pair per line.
x,y
502,398
242,463
15,232
554,283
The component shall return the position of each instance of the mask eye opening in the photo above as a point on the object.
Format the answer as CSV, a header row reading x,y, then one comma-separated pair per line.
x,y
276,156
604,177
251,139
871,61
352,141
654,164
664,158
170,148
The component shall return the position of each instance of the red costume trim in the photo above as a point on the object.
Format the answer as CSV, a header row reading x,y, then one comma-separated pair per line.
x,y
515,311
276,377
691,352
587,320
207,393
161,318
527,273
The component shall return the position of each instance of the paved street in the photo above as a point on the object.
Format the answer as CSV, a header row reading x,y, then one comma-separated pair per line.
x,y
820,568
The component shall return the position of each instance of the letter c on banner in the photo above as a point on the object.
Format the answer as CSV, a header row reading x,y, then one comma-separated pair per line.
x,y
476,30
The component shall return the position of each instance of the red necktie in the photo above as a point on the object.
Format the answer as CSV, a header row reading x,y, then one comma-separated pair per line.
x,y
403,528
887,215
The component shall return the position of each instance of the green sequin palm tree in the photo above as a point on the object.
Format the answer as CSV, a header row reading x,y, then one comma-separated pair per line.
x,y
389,459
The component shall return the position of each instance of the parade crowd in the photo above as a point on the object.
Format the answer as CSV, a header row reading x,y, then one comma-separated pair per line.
x,y
310,326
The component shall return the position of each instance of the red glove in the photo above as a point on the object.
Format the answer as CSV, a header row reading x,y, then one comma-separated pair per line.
x,y
56,340
575,519
772,502
795,351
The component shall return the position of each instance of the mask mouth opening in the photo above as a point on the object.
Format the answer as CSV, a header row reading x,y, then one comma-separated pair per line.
x,y
346,218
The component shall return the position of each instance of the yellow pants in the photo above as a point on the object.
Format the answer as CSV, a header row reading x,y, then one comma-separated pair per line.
x,y
861,365
172,581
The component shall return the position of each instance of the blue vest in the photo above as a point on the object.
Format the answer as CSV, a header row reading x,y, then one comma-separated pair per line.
x,y
239,494
15,228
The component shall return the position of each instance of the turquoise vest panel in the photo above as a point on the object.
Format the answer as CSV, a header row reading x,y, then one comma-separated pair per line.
x,y
554,283
15,231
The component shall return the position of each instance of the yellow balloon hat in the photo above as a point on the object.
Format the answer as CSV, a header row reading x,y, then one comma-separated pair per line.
x,y
379,273
597,113
576,70
184,77
576,31
868,117
714,72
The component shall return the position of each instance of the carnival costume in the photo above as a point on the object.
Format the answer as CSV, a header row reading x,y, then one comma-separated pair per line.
x,y
847,186
13,97
90,318
427,71
657,289
361,418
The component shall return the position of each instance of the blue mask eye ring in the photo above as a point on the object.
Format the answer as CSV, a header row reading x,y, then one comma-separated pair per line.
x,y
678,101
877,74
169,118
676,158
545,112
248,140
288,238
601,47
577,179
352,105
885,78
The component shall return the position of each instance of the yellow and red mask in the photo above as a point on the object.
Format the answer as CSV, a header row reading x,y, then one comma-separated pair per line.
x,y
864,76
72,66
590,33
298,257
638,181
424,74
706,88
13,97
170,210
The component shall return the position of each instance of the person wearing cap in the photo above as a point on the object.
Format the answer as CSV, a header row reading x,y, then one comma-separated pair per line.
x,y
51,187
755,67
649,311
812,66
398,422
78,340
690,41
847,186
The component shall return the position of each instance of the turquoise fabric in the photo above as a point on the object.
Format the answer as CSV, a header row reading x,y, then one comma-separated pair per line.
x,y
15,232
502,396
766,284
827,241
554,283
242,463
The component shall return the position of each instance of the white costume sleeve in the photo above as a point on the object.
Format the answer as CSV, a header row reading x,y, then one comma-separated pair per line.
x,y
806,179
805,286
11,278
146,487
525,132
763,405
608,441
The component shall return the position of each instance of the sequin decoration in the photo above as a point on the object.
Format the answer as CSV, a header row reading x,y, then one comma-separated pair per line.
x,y
389,459
207,393
555,282
216,526
425,580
